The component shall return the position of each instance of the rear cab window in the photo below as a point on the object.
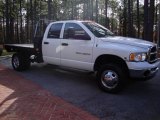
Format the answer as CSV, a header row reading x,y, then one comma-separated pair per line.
x,y
55,30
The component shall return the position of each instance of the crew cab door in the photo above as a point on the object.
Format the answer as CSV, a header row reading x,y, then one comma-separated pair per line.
x,y
51,44
77,45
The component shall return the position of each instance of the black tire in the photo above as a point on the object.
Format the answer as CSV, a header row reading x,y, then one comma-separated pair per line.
x,y
20,62
111,78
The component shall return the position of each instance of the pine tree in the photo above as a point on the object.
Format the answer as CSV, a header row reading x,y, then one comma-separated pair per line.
x,y
138,20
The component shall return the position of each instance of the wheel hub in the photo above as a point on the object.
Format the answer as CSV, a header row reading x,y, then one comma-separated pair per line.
x,y
16,62
109,79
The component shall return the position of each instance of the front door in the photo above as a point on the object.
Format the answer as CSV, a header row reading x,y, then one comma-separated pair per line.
x,y
76,51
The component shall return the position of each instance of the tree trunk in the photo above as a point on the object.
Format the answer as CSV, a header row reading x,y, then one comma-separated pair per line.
x,y
88,10
54,11
35,12
4,36
148,19
145,31
7,23
138,20
151,20
120,23
12,30
85,11
72,13
18,41
106,13
31,18
27,26
49,9
159,26
97,11
91,10
130,20
21,29
125,19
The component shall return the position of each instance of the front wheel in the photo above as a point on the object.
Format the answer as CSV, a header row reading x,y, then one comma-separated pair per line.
x,y
19,62
110,78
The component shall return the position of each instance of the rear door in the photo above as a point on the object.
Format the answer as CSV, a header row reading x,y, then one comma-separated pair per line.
x,y
51,44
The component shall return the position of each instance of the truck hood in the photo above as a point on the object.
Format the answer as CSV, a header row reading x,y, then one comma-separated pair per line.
x,y
128,41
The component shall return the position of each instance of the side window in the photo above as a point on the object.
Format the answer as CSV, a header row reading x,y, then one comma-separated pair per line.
x,y
55,30
75,31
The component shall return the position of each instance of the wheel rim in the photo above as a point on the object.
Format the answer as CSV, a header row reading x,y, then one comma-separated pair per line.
x,y
16,62
109,79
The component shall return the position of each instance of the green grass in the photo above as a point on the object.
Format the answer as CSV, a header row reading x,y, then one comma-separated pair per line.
x,y
6,53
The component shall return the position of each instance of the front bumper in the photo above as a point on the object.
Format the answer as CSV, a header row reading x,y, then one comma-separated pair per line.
x,y
143,69
147,74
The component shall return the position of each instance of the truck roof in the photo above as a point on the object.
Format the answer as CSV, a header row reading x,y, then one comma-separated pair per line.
x,y
72,21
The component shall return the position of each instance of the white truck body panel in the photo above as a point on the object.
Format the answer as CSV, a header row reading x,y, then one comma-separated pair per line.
x,y
78,53
51,52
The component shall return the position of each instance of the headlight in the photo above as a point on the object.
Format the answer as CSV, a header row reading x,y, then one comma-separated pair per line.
x,y
138,57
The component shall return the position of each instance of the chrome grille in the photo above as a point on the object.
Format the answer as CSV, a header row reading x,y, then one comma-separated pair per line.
x,y
153,55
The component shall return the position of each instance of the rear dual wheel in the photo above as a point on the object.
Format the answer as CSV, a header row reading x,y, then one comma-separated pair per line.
x,y
20,62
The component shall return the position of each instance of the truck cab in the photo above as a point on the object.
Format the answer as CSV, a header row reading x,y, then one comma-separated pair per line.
x,y
68,44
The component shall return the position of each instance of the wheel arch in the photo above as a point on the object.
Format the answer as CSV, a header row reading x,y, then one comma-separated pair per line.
x,y
106,58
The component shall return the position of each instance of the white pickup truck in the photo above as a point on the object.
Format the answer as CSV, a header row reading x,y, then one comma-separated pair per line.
x,y
86,45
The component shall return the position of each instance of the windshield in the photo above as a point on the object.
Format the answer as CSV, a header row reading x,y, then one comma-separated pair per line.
x,y
98,30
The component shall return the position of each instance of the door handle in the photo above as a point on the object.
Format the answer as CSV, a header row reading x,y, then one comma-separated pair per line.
x,y
46,42
64,44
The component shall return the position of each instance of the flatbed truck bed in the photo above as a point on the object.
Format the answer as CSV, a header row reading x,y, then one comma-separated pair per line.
x,y
34,49
19,47
26,50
